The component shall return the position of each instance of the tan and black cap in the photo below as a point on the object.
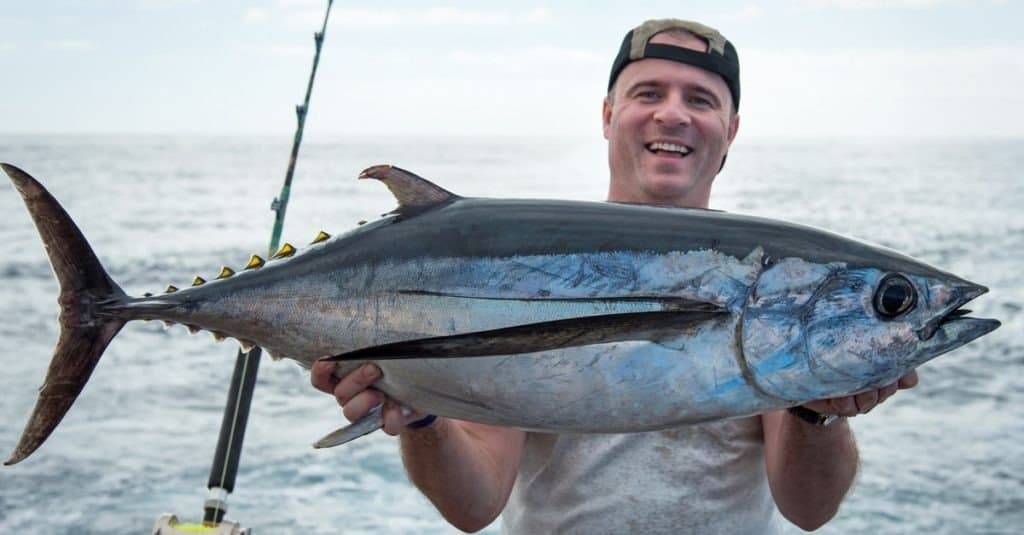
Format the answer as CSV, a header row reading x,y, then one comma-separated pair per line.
x,y
720,57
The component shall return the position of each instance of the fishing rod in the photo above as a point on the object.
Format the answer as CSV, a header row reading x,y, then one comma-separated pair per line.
x,y
243,381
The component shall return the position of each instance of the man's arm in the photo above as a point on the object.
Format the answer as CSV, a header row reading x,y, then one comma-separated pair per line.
x,y
465,469
811,468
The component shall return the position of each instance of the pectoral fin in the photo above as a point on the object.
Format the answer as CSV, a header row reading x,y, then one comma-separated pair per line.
x,y
539,336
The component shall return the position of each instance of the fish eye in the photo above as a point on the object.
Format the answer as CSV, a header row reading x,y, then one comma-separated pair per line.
x,y
894,296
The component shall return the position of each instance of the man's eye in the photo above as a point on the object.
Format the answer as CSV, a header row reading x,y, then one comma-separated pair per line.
x,y
701,102
647,95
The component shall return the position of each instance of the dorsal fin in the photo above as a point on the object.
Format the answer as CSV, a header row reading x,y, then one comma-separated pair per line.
x,y
408,188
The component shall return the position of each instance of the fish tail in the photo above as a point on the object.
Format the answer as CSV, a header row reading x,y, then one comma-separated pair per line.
x,y
85,329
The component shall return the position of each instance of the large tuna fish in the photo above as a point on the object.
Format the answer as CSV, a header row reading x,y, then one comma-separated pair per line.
x,y
544,315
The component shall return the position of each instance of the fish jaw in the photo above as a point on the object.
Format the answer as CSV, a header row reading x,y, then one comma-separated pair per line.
x,y
951,327
950,335
960,293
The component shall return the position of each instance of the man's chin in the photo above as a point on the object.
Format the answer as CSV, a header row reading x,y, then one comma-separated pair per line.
x,y
674,189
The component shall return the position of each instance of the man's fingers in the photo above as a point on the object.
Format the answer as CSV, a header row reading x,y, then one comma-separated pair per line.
x,y
887,391
355,382
361,403
845,406
908,381
321,375
394,421
822,406
355,394
866,401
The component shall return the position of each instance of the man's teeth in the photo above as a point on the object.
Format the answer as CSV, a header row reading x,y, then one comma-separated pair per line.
x,y
669,147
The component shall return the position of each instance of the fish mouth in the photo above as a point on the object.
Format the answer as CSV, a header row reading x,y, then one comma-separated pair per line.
x,y
954,323
667,148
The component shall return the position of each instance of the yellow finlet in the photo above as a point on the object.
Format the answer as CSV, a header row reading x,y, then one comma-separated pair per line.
x,y
255,262
246,346
192,329
198,281
218,336
286,250
171,289
320,237
361,222
225,272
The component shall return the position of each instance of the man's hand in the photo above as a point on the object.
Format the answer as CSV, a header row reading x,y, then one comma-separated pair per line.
x,y
865,401
811,468
356,395
466,469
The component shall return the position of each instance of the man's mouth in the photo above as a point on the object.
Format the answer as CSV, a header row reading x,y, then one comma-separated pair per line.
x,y
659,147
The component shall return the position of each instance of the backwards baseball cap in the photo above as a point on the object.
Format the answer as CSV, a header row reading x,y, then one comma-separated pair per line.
x,y
720,57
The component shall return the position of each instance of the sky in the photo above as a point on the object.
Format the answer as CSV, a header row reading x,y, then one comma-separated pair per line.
x,y
945,68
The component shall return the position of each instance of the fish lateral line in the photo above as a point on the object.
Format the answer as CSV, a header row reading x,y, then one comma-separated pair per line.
x,y
674,304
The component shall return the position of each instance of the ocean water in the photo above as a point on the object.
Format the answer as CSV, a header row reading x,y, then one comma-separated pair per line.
x,y
946,457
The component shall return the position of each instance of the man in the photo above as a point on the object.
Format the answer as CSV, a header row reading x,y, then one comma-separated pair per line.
x,y
669,118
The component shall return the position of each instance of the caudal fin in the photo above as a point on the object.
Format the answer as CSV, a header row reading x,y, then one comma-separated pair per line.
x,y
85,330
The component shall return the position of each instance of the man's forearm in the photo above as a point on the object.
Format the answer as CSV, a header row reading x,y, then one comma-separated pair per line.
x,y
810,468
466,470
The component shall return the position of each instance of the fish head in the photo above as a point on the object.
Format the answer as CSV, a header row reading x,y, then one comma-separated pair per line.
x,y
816,331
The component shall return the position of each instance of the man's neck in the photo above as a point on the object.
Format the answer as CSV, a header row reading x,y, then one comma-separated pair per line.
x,y
691,199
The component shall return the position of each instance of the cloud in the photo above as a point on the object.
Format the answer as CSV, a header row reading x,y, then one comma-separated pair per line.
x,y
952,91
864,5
300,3
163,4
436,16
256,15
70,45
513,105
527,56
277,50
751,11
6,47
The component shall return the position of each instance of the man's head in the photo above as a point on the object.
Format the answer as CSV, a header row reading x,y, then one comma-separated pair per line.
x,y
670,114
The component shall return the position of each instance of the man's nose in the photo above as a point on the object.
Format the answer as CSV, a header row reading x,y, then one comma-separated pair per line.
x,y
672,112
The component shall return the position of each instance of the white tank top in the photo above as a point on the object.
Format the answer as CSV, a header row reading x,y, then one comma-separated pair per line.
x,y
706,478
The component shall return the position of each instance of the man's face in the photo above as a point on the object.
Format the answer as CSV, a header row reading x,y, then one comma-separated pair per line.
x,y
668,126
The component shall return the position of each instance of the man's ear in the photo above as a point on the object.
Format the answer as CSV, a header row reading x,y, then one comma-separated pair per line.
x,y
606,116
734,126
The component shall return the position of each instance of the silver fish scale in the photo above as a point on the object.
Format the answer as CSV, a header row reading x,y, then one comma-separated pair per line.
x,y
447,296
615,387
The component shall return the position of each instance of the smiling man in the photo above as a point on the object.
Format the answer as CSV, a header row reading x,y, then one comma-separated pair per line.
x,y
670,116
669,122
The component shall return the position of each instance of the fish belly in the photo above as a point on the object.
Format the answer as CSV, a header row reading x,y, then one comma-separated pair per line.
x,y
612,387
